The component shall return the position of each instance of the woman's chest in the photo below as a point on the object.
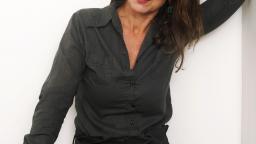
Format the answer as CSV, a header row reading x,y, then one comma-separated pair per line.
x,y
109,81
113,56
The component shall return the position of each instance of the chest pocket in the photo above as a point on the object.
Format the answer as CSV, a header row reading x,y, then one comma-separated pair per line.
x,y
99,68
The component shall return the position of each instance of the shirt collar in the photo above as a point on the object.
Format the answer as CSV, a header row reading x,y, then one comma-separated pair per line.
x,y
108,12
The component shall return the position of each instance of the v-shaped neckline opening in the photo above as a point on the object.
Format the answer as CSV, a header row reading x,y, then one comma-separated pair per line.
x,y
145,41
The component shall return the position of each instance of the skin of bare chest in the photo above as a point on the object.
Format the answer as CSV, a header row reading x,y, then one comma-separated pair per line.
x,y
135,20
133,44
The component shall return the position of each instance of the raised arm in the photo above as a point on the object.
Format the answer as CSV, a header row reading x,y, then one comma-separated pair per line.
x,y
59,89
216,12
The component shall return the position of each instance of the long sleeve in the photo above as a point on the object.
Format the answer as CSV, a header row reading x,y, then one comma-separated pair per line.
x,y
216,12
59,88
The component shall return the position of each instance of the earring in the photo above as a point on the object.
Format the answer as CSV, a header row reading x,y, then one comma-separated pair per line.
x,y
169,10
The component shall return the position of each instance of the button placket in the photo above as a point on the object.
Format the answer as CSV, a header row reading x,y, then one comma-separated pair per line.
x,y
132,123
132,119
132,83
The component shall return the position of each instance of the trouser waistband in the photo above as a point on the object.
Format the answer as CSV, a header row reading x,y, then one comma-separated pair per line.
x,y
153,135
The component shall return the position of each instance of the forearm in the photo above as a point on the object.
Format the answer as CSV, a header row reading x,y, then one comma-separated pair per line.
x,y
216,12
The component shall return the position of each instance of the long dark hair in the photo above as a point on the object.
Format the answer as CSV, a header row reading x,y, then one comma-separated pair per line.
x,y
180,29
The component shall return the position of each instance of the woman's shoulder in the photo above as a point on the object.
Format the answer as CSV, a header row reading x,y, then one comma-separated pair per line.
x,y
94,16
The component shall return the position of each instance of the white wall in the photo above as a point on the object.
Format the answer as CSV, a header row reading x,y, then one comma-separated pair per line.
x,y
249,71
206,95
30,32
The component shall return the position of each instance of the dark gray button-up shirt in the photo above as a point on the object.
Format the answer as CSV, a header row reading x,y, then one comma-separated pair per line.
x,y
114,103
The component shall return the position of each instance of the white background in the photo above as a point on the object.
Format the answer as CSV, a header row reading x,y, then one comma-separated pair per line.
x,y
206,96
249,71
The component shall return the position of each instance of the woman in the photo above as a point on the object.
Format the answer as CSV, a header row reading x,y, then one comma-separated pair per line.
x,y
118,62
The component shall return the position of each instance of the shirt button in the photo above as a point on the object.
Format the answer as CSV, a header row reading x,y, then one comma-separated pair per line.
x,y
132,123
132,83
133,105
